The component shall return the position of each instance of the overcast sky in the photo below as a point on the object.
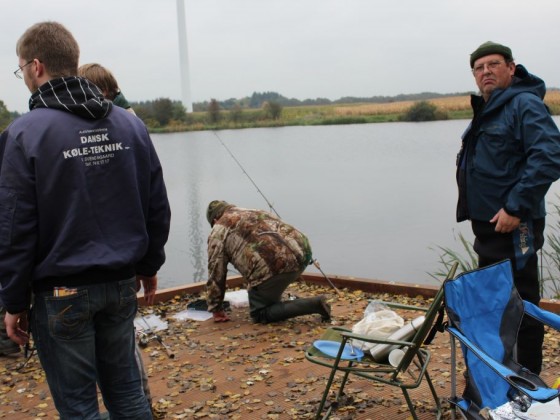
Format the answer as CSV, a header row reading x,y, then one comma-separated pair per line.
x,y
298,48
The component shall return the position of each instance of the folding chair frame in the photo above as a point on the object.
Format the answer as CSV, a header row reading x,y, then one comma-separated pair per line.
x,y
367,368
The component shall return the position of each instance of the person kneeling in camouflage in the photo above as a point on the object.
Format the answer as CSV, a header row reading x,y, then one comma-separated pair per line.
x,y
269,254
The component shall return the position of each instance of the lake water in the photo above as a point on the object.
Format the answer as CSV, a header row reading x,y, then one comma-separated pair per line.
x,y
374,199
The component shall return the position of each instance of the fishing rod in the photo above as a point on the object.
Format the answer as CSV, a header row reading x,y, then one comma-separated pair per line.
x,y
150,334
248,176
314,261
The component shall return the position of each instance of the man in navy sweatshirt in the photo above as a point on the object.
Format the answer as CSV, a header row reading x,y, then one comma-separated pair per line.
x,y
84,218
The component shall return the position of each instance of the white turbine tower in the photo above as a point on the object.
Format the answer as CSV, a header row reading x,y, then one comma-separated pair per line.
x,y
186,97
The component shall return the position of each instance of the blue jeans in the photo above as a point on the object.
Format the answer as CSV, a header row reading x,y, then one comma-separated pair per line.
x,y
87,339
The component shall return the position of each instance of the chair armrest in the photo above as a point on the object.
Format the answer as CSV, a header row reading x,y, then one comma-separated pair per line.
x,y
538,393
405,307
546,317
340,329
375,340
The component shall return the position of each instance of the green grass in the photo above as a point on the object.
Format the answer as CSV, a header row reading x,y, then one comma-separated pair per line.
x,y
549,270
294,116
327,115
460,115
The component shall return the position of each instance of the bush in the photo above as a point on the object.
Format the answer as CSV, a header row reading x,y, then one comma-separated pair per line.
x,y
423,111
5,117
214,111
272,110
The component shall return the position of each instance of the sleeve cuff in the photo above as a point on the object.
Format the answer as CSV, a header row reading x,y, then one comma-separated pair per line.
x,y
512,212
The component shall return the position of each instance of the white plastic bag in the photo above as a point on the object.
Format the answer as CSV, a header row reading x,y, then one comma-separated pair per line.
x,y
378,321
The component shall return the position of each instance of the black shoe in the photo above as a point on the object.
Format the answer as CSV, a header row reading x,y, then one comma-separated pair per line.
x,y
8,347
326,312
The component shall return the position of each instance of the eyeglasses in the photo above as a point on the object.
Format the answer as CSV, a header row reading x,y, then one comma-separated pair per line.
x,y
19,72
492,65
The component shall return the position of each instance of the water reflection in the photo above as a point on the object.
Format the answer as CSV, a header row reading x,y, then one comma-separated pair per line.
x,y
195,215
196,242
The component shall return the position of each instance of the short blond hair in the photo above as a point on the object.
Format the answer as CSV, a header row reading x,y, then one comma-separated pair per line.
x,y
101,77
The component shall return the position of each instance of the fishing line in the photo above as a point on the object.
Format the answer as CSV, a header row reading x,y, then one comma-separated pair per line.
x,y
315,262
248,176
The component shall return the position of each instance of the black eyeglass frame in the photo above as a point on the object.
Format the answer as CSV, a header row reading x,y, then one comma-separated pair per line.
x,y
19,72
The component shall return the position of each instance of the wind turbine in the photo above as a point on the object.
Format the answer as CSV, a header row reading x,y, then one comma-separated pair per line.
x,y
186,97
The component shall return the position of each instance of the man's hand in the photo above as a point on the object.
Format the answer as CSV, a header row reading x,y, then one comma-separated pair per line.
x,y
150,286
505,223
16,327
220,316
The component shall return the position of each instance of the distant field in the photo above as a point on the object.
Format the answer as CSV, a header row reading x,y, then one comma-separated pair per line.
x,y
552,99
454,103
454,107
451,105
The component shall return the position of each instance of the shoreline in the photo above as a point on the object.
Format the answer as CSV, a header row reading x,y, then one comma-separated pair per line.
x,y
341,282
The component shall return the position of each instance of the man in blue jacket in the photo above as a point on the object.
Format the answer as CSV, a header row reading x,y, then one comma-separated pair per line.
x,y
84,218
510,155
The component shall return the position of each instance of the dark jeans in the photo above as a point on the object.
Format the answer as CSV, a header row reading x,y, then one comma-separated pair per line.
x,y
520,246
87,339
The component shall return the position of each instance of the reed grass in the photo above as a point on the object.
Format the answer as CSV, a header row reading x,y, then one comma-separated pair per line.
x,y
465,256
549,266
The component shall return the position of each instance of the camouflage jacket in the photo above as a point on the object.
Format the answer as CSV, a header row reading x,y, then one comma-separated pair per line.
x,y
258,244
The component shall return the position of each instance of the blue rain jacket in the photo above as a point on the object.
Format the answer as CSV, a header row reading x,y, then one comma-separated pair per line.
x,y
510,154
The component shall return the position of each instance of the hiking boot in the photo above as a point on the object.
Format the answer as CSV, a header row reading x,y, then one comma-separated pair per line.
x,y
326,309
292,308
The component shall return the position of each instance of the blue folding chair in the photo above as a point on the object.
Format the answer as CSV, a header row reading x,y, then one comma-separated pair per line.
x,y
484,312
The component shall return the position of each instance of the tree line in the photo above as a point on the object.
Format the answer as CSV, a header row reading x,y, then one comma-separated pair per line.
x,y
6,117
163,112
258,99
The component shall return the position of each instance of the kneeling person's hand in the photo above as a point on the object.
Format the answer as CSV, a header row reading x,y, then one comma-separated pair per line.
x,y
220,316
